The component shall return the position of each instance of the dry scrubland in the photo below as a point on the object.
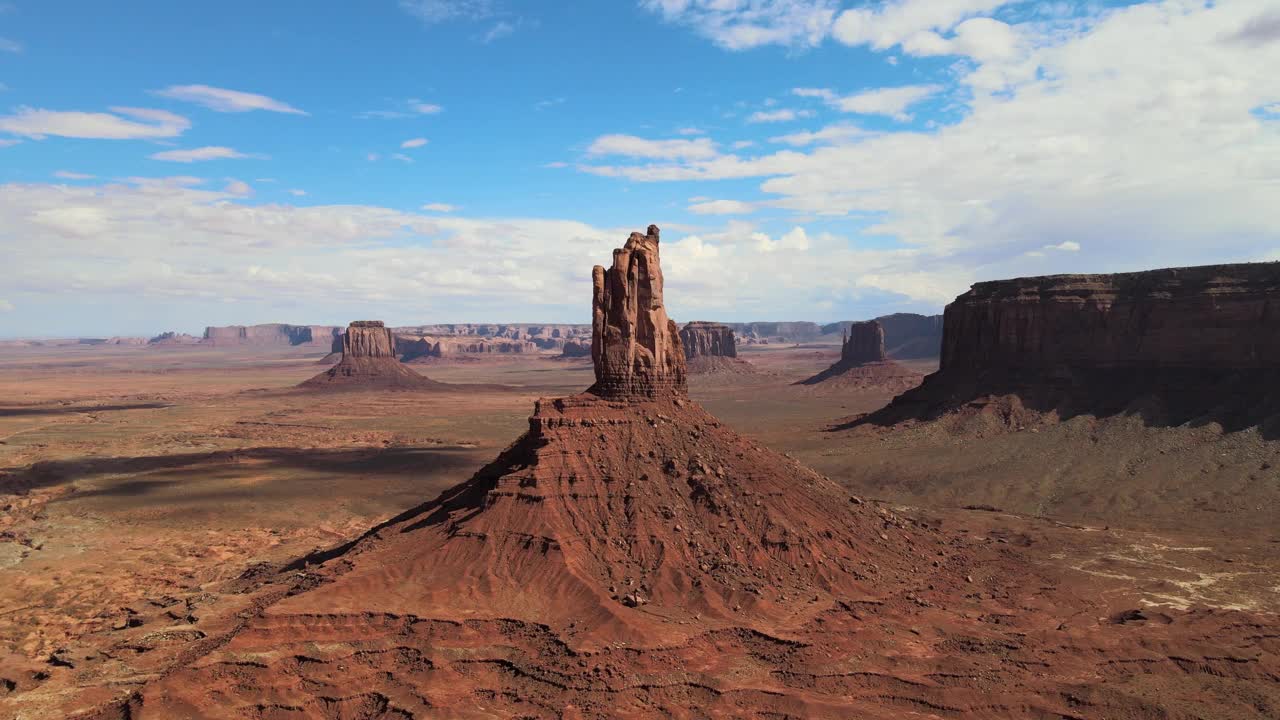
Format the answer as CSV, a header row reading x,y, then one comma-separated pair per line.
x,y
138,482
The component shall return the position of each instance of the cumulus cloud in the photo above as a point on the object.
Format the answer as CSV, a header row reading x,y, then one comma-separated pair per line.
x,y
10,46
637,147
781,115
439,207
424,108
721,207
69,175
122,123
884,25
836,133
298,193
414,143
223,100
1093,141
201,154
892,101
741,25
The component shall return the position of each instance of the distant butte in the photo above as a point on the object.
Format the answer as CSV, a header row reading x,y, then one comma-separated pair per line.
x,y
711,348
863,363
369,361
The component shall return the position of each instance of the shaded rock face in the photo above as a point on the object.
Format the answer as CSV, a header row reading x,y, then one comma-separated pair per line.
x,y
863,343
635,347
908,336
1212,317
707,339
575,349
1178,345
369,360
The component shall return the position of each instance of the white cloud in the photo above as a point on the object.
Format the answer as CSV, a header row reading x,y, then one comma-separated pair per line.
x,y
8,142
636,147
743,144
238,188
212,152
745,24
298,193
424,108
839,132
980,38
414,143
686,131
888,24
892,101
1091,139
122,123
373,157
439,207
401,157
782,115
722,207
68,175
822,93
11,46
223,100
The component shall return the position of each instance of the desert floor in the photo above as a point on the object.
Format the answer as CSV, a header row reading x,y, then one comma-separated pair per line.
x,y
135,482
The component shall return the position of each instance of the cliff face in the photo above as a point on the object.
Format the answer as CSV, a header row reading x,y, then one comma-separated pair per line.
x,y
1176,346
707,339
863,343
1214,317
909,336
368,338
766,332
272,334
635,347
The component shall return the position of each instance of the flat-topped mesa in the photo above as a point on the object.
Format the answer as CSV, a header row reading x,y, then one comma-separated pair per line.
x,y
1219,317
863,343
708,339
634,345
368,338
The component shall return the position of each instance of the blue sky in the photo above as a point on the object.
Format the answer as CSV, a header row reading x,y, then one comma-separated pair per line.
x,y
171,165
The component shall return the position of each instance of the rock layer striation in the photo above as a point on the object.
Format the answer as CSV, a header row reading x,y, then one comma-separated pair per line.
x,y
1176,345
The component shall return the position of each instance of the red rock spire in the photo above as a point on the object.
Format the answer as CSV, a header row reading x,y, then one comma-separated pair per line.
x,y
635,347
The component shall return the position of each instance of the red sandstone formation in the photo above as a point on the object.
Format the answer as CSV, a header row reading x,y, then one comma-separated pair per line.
x,y
710,349
272,334
707,339
630,556
369,360
863,363
635,348
575,349
863,343
1176,345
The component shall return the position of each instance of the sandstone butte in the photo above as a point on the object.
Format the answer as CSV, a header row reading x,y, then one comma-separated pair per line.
x,y
863,363
711,348
1176,345
630,557
369,361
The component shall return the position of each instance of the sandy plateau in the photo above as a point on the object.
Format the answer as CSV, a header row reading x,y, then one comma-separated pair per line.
x,y
177,528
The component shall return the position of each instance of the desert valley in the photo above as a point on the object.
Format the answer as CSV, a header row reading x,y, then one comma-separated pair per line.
x,y
343,375
1072,518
